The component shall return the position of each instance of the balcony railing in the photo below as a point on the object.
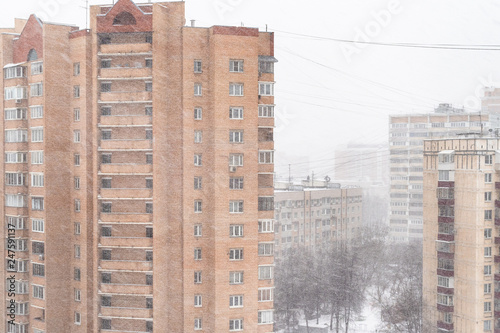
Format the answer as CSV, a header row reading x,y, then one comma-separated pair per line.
x,y
126,48
126,168
125,120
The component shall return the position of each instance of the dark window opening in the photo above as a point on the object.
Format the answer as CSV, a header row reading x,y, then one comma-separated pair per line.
x,y
124,18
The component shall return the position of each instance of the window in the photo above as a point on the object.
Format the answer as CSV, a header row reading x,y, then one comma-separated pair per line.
x,y
14,72
266,88
197,230
78,295
487,269
197,89
77,183
487,178
36,179
36,89
106,277
149,86
36,203
15,157
487,233
198,135
445,282
236,136
106,158
105,110
149,232
76,69
236,183
149,134
197,183
487,196
236,89
77,251
445,299
15,179
149,158
149,255
78,205
37,225
236,230
236,66
487,325
265,272
235,159
21,309
78,318
266,203
37,134
106,63
266,111
197,301
236,301
106,134
77,228
487,288
236,112
15,222
76,91
198,113
76,136
266,249
197,253
149,303
197,324
488,214
16,93
77,159
487,306
18,135
444,175
37,157
38,291
106,207
20,245
266,67
149,208
266,157
149,63
36,112
197,277
148,110
149,279
197,160
265,294
15,200
235,324
488,159
149,182
265,317
266,226
236,206
15,114
197,66
77,274
36,68
197,206
235,254
38,269
487,251
235,277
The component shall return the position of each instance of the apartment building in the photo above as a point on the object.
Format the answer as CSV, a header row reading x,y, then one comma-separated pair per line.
x,y
139,161
315,215
461,217
407,134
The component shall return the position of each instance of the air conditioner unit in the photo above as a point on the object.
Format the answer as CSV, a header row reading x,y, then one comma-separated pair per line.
x,y
232,169
19,100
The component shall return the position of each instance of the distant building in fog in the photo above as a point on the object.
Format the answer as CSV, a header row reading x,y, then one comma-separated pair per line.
x,y
316,214
362,163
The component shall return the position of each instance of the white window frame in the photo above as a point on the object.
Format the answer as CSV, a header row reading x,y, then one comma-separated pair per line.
x,y
14,72
37,225
266,88
266,111
198,66
266,226
266,156
16,135
236,136
266,276
198,136
76,114
36,89
236,206
236,254
236,230
198,324
36,111
37,157
15,157
198,89
37,134
198,160
265,317
265,294
235,325
37,179
198,230
236,112
236,65
15,113
236,277
266,249
235,301
38,291
198,301
198,113
236,89
11,93
236,160
37,68
77,138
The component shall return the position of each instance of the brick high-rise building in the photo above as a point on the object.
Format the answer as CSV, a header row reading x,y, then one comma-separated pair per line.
x,y
461,277
138,173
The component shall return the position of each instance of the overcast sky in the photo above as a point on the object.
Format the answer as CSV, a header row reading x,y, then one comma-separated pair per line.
x,y
330,93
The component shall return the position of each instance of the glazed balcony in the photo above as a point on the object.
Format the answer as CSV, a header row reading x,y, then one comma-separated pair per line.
x,y
125,121
126,241
497,221
497,276
125,265
126,312
118,193
126,48
445,326
126,217
133,289
497,185
126,72
497,240
126,168
126,144
445,308
126,96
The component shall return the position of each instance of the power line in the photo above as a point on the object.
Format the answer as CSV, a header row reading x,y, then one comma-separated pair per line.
x,y
467,47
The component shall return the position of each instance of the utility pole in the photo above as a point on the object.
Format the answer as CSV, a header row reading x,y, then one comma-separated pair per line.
x,y
289,176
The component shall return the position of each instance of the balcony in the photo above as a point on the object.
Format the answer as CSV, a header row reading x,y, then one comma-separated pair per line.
x,y
118,193
126,144
445,308
445,237
446,219
125,121
127,241
126,73
125,265
126,312
126,48
126,217
497,185
446,326
445,272
134,289
497,276
126,168
126,96
497,259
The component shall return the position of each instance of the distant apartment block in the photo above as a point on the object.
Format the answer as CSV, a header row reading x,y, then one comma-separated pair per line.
x,y
461,199
138,173
312,216
366,163
407,134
